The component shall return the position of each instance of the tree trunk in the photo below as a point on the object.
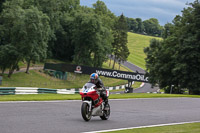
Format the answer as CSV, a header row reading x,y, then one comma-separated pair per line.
x,y
3,70
110,62
111,58
114,64
11,71
28,66
119,66
12,68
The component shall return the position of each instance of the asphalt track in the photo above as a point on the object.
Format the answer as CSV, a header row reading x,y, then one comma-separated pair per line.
x,y
65,117
146,87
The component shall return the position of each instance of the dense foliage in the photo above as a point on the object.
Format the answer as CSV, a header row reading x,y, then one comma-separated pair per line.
x,y
174,62
120,48
33,30
147,27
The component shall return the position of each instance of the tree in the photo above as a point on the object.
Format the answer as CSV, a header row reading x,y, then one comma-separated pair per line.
x,y
140,27
167,30
56,10
63,47
160,64
11,25
107,17
4,61
1,5
120,48
36,34
152,27
188,56
91,39
9,58
26,33
178,60
148,27
100,8
132,24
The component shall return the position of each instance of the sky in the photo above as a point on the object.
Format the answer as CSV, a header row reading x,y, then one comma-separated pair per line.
x,y
163,10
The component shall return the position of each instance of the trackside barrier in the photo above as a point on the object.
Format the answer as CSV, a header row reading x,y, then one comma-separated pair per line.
x,y
46,90
32,90
1,78
7,91
66,91
25,90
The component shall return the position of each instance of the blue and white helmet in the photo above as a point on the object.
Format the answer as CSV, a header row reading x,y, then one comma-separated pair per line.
x,y
94,78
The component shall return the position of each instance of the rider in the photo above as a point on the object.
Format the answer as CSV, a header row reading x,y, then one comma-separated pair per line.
x,y
94,78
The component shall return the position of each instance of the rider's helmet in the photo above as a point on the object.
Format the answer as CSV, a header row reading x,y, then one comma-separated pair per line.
x,y
94,78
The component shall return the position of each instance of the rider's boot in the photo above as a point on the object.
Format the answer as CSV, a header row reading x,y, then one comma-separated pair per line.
x,y
105,99
106,104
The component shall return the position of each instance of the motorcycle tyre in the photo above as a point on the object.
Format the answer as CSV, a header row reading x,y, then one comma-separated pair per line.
x,y
105,116
85,112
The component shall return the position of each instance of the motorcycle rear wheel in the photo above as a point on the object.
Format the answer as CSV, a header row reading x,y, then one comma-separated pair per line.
x,y
106,113
86,114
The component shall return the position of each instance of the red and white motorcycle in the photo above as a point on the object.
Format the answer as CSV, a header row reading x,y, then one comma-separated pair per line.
x,y
93,104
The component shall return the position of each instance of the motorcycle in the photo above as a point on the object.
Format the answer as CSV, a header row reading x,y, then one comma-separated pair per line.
x,y
92,103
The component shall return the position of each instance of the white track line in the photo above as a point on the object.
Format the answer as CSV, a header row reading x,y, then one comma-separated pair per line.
x,y
159,125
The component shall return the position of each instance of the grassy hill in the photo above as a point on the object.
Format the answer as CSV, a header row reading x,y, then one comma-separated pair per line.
x,y
41,80
36,78
136,45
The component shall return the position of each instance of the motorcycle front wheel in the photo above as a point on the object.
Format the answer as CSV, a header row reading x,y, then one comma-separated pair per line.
x,y
106,113
86,114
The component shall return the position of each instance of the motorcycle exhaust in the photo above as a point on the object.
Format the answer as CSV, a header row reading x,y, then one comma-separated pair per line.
x,y
97,111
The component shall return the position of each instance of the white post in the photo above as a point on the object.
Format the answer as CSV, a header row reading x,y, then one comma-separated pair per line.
x,y
171,89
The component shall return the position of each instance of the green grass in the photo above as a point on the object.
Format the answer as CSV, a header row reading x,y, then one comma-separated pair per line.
x,y
39,97
38,79
146,95
136,45
41,80
48,97
136,85
183,128
24,65
117,67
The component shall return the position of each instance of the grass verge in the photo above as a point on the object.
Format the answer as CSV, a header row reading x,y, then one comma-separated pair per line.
x,y
48,97
146,95
183,128
39,97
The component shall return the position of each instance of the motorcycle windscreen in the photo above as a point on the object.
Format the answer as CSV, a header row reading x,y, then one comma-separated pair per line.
x,y
87,87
